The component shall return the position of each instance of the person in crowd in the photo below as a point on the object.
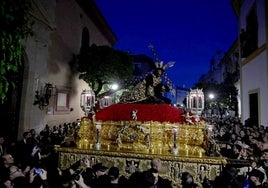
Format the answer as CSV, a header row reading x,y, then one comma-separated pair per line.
x,y
115,180
34,139
245,154
81,173
156,164
135,179
7,161
233,138
256,145
38,178
100,177
46,131
80,182
2,145
187,180
264,160
223,136
69,176
33,179
256,164
6,183
228,178
151,177
244,137
24,149
234,154
256,178
49,159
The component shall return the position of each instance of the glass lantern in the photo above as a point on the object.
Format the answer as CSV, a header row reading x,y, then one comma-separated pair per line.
x,y
87,101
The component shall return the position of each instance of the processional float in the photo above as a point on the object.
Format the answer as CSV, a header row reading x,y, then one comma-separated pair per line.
x,y
129,135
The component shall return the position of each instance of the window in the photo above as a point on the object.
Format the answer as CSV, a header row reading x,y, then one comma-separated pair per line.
x,y
62,100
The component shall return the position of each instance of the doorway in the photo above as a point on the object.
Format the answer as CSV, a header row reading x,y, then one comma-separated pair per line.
x,y
254,108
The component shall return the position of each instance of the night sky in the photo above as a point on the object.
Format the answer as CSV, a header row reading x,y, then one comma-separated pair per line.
x,y
187,32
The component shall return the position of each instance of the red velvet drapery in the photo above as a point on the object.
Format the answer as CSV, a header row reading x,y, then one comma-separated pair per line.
x,y
146,112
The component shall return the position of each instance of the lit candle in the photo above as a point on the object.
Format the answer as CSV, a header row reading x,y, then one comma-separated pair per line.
x,y
175,130
175,149
98,128
98,125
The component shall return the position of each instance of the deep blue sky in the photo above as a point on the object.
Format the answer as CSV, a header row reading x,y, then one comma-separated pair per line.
x,y
187,32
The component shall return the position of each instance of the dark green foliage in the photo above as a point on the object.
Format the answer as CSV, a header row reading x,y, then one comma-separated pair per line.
x,y
101,65
14,27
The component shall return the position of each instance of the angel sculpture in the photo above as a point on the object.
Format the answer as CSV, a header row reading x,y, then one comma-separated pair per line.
x,y
134,114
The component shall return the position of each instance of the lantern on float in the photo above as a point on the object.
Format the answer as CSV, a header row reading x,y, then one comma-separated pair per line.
x,y
87,101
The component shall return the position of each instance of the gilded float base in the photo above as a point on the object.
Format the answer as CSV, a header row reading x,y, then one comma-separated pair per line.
x,y
130,145
150,137
129,162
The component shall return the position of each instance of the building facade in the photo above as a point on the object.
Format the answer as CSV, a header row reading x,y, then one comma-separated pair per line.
x,y
253,22
60,27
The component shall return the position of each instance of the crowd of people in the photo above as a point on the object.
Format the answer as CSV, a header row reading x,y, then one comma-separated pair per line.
x,y
33,162
246,148
34,165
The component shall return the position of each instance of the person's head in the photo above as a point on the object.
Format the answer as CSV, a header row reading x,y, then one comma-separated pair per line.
x,y
99,169
7,160
156,164
113,173
222,131
242,133
237,148
264,155
27,134
254,162
15,172
8,183
233,136
186,178
66,178
33,132
244,153
2,139
256,176
150,178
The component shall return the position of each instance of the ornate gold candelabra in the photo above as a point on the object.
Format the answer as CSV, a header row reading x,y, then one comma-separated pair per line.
x,y
85,134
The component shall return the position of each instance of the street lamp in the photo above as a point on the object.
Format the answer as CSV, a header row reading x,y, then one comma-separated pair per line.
x,y
211,96
115,87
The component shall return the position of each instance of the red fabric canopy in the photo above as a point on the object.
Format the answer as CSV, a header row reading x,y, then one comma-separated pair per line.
x,y
146,112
